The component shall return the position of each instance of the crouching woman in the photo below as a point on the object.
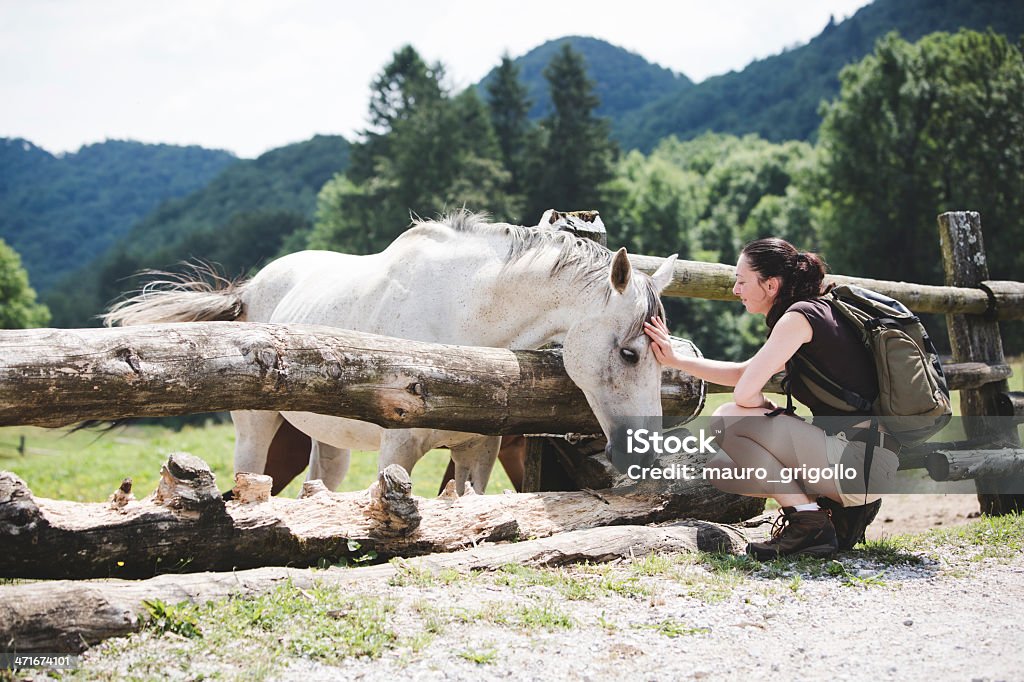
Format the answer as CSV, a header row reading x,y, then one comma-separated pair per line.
x,y
799,458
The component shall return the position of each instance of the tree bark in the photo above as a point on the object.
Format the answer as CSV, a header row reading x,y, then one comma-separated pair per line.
x,y
56,377
186,526
67,616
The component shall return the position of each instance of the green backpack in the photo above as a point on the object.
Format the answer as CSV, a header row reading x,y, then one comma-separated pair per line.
x,y
913,397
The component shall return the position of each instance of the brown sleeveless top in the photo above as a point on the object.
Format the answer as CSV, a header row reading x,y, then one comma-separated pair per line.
x,y
836,350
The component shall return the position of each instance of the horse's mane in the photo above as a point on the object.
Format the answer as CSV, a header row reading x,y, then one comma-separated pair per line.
x,y
586,260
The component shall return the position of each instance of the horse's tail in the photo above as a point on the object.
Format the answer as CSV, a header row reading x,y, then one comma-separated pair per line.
x,y
200,294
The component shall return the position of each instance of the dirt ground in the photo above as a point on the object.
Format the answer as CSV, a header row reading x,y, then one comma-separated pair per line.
x,y
916,513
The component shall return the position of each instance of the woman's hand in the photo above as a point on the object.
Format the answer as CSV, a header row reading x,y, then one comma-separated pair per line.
x,y
661,344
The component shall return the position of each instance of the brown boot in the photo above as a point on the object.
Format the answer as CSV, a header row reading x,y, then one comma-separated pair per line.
x,y
806,533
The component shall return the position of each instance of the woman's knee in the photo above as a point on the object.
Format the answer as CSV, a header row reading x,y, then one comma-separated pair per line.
x,y
731,409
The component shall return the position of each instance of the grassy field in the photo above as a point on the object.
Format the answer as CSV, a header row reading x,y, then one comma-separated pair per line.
x,y
87,466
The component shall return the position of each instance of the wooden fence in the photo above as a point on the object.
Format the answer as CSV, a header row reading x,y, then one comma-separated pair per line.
x,y
973,305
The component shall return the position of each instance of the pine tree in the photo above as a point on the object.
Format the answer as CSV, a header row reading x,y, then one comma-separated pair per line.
x,y
509,106
578,156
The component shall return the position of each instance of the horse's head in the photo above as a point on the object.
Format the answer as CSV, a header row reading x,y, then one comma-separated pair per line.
x,y
608,355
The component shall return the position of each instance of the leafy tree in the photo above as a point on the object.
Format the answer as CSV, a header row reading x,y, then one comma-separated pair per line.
x,y
18,307
434,153
919,129
578,156
703,199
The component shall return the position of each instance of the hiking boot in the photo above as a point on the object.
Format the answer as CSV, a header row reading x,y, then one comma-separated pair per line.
x,y
798,533
850,522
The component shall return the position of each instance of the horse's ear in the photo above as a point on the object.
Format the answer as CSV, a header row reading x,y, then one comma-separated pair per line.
x,y
621,270
663,275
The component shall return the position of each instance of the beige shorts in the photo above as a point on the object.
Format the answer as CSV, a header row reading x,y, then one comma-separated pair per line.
x,y
850,456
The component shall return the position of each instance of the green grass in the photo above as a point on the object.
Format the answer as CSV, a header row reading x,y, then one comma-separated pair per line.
x,y
480,656
260,634
87,466
990,537
671,627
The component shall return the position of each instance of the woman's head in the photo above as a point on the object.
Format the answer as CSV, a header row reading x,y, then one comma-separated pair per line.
x,y
771,275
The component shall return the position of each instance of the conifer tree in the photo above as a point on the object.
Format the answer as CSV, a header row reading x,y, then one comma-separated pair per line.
x,y
578,156
509,106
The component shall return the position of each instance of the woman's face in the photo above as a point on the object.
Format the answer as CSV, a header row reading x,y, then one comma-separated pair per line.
x,y
756,294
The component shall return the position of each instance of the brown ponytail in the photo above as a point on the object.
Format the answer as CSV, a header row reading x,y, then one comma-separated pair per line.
x,y
800,274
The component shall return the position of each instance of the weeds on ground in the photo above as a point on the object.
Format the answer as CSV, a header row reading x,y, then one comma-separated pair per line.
x,y
672,627
260,634
480,656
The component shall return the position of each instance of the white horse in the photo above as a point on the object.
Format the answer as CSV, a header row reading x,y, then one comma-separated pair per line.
x,y
459,281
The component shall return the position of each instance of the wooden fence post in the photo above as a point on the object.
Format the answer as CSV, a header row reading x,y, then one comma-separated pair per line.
x,y
975,338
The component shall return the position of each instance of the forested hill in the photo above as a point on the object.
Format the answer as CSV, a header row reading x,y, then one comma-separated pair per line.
x,y
778,97
59,212
239,219
623,80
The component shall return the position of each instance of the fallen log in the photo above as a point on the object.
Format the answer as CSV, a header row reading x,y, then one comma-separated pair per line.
x,y
68,616
187,526
56,377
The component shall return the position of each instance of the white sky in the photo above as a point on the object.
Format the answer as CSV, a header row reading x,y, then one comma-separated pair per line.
x,y
251,75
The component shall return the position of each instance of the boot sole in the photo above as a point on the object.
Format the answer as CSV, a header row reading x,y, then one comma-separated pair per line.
x,y
819,551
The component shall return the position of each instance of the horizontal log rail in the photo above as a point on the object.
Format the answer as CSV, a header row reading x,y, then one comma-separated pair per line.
x,y
959,376
714,281
56,377
961,465
1011,404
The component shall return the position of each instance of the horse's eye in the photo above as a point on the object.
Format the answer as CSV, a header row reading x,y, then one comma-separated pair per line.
x,y
629,356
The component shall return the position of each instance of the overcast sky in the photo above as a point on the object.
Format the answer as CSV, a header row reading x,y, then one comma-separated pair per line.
x,y
251,75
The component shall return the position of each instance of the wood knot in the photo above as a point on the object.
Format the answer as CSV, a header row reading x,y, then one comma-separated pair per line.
x,y
19,512
122,496
311,488
251,488
416,388
129,356
186,482
392,505
449,492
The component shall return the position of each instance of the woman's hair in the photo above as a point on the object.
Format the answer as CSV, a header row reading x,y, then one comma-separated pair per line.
x,y
800,274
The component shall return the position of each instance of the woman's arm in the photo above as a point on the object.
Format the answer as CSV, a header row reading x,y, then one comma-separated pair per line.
x,y
715,371
790,332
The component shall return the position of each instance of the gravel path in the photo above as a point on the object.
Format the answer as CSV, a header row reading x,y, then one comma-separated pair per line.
x,y
921,624
951,610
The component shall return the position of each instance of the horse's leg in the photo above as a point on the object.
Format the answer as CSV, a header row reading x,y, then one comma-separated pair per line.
x,y
254,432
328,463
474,458
404,447
287,457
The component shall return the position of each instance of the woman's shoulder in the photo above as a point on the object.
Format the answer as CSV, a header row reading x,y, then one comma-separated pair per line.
x,y
811,307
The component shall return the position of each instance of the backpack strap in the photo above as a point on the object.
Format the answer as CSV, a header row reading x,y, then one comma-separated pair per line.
x,y
869,454
806,369
790,408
